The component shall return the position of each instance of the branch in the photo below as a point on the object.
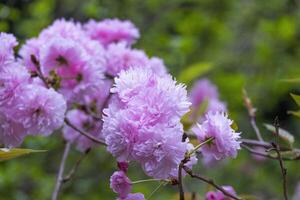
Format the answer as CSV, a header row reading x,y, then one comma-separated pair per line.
x,y
211,182
75,167
59,179
180,185
283,169
38,69
82,132
252,115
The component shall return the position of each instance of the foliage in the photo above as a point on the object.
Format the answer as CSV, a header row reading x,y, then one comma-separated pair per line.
x,y
252,44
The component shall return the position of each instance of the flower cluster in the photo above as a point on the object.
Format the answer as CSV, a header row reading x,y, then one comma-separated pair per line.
x,y
218,195
225,140
121,185
91,77
204,91
142,122
26,106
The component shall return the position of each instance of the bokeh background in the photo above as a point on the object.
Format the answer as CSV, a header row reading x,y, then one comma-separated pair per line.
x,y
250,44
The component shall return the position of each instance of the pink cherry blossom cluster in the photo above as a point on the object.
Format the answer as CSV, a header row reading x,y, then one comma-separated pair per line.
x,y
26,106
90,76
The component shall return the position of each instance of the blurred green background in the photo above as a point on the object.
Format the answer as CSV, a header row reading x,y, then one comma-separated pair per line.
x,y
250,44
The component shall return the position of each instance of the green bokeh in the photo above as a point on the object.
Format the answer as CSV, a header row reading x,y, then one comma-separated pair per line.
x,y
251,44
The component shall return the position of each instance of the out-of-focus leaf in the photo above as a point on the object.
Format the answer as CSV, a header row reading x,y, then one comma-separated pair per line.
x,y
7,154
248,197
283,134
296,98
291,80
187,196
186,121
194,71
202,108
296,113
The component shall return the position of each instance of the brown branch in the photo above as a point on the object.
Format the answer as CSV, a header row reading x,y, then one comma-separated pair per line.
x,y
252,114
59,179
180,185
283,169
82,132
70,175
37,64
211,182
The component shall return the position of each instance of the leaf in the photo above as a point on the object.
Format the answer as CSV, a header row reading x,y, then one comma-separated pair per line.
x,y
296,113
194,71
296,98
291,80
283,134
7,154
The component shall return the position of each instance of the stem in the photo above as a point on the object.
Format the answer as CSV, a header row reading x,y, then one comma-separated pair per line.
x,y
94,139
252,114
283,169
39,71
211,182
59,179
146,180
180,185
155,190
200,145
75,167
256,130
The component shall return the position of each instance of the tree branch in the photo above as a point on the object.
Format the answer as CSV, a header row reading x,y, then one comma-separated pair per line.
x,y
75,167
59,179
211,182
82,132
279,157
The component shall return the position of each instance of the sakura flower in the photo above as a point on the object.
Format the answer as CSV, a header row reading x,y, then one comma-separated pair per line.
x,y
120,57
120,184
142,122
226,140
112,30
40,110
8,42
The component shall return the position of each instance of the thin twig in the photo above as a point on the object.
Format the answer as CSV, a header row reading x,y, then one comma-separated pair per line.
x,y
155,190
147,180
59,179
211,182
283,169
82,132
37,64
252,114
180,185
75,167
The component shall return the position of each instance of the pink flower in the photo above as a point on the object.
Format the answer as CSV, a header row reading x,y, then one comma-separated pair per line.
x,y
8,42
142,122
203,90
112,30
120,184
157,65
31,47
218,195
84,122
120,57
12,133
11,77
218,126
40,110
135,196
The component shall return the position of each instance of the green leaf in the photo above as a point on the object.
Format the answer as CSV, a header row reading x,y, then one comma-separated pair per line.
x,y
283,134
296,98
291,80
7,154
296,113
194,71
